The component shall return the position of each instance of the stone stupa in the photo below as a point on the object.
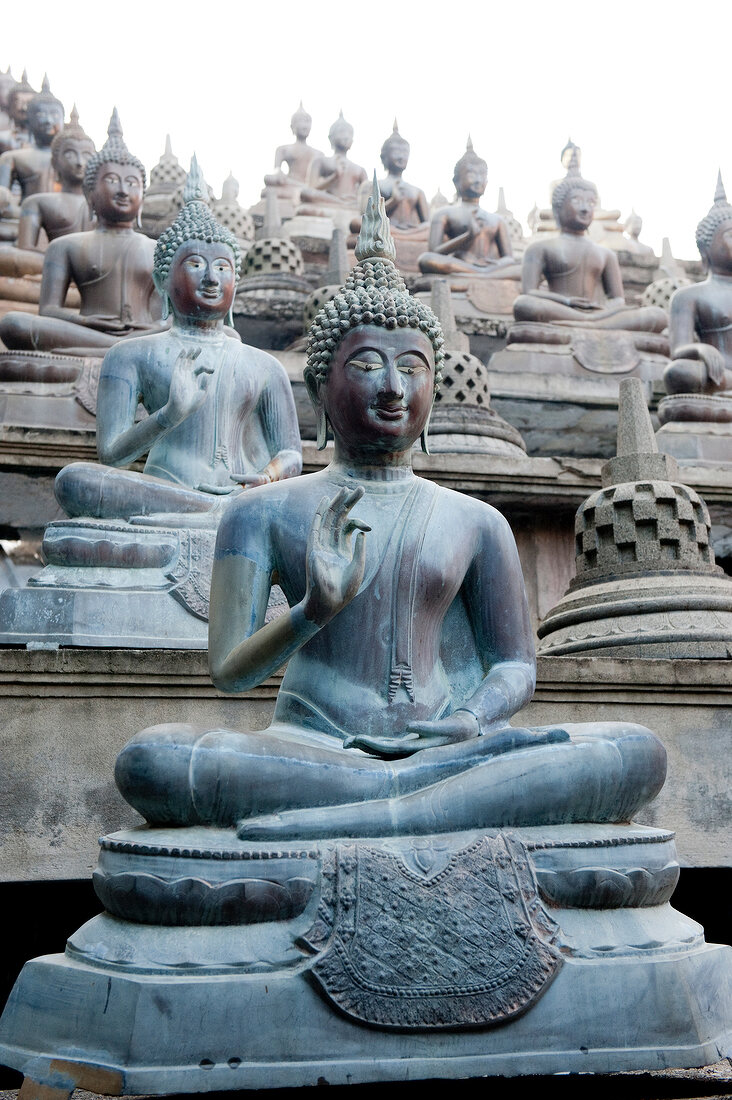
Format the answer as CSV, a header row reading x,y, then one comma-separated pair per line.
x,y
647,584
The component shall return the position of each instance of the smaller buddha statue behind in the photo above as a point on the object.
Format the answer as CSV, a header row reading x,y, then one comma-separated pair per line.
x,y
19,96
111,266
335,180
52,214
298,157
31,165
406,205
464,238
700,316
584,284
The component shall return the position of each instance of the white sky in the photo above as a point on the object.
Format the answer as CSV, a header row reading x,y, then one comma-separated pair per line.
x,y
643,87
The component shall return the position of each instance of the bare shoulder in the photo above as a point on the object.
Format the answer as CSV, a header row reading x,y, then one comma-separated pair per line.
x,y
255,516
260,362
472,516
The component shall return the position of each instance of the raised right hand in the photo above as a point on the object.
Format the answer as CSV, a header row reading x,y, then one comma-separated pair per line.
x,y
187,388
335,562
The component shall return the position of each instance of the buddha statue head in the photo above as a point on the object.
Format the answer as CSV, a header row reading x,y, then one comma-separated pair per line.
x,y
20,96
197,260
574,199
395,152
633,225
471,174
340,135
71,150
45,115
115,180
571,154
301,123
373,309
7,83
714,233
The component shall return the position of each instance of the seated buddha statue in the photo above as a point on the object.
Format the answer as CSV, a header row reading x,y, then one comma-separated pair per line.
x,y
464,238
221,414
406,205
335,180
20,94
55,213
298,156
409,647
31,165
700,315
7,83
111,266
584,284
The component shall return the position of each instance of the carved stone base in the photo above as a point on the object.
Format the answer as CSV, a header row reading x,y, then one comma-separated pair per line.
x,y
579,352
696,407
113,583
391,960
697,442
473,297
685,614
41,389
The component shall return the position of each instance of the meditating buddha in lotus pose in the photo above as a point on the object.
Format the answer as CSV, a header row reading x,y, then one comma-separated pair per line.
x,y
578,272
407,634
111,265
221,413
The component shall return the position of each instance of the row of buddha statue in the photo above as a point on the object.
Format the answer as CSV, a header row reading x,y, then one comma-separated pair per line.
x,y
83,237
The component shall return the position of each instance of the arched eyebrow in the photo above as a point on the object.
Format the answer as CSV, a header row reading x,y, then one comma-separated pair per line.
x,y
417,352
360,351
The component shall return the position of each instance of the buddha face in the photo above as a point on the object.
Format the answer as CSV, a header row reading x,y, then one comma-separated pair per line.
x,y
341,136
578,209
18,107
395,155
719,256
471,179
379,388
201,282
301,125
70,159
45,120
117,194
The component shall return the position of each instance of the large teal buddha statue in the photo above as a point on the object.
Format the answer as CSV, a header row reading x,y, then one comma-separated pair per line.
x,y
407,635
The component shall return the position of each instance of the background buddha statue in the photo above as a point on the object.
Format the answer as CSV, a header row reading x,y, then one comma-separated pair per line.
x,y
631,233
52,214
464,238
19,97
700,317
31,164
387,576
111,266
221,415
606,227
335,180
7,83
298,156
406,205
584,284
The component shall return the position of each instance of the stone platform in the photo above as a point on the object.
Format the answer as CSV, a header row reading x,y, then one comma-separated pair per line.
x,y
67,713
373,960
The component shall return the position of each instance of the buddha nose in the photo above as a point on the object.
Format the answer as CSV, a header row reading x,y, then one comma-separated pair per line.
x,y
393,382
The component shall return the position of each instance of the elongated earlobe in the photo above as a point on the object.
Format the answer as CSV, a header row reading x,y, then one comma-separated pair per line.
x,y
423,436
322,426
166,307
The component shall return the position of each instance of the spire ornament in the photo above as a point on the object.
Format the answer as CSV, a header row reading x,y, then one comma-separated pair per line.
x,y
375,240
113,151
719,213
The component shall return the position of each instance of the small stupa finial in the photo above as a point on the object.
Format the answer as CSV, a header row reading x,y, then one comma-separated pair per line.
x,y
45,83
719,193
502,208
114,130
194,189
395,127
469,145
24,77
374,240
168,146
271,228
441,303
637,455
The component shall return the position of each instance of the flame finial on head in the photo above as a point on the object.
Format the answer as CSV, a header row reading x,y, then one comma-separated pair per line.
x,y
374,240
194,189
720,212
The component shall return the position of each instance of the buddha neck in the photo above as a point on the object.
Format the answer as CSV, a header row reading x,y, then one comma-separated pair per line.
x,y
392,467
568,231
724,277
115,227
211,332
